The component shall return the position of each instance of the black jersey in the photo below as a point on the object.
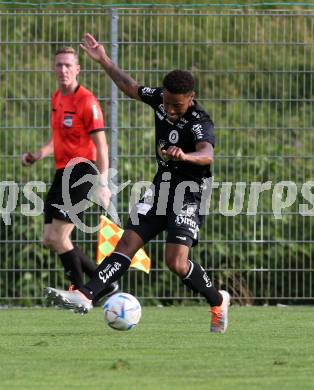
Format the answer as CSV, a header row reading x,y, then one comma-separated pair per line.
x,y
195,126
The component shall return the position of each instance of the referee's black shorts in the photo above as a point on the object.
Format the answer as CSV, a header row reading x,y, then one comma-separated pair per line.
x,y
182,226
76,194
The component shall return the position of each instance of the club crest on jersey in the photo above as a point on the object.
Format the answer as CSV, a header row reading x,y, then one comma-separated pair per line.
x,y
174,136
189,209
68,121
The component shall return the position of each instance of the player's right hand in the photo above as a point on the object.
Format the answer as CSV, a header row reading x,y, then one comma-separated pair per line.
x,y
27,159
103,195
93,48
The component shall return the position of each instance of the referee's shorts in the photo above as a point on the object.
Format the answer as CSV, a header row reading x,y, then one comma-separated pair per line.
x,y
76,194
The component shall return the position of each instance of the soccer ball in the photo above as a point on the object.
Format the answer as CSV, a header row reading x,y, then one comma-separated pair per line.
x,y
122,311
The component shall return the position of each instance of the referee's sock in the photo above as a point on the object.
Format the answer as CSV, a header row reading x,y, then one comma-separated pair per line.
x,y
110,270
72,267
198,281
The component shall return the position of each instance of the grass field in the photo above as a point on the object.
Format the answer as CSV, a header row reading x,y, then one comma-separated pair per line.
x,y
265,348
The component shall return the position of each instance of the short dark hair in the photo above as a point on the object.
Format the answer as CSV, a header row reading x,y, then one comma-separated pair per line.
x,y
179,81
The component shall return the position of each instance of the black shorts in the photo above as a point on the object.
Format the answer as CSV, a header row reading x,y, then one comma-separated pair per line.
x,y
182,224
77,194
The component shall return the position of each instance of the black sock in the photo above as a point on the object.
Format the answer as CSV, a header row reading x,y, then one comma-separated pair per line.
x,y
198,281
110,270
72,267
88,266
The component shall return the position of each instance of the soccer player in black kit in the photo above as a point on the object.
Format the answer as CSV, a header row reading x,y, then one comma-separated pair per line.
x,y
184,152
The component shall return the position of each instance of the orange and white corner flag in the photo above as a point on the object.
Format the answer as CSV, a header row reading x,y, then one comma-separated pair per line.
x,y
108,236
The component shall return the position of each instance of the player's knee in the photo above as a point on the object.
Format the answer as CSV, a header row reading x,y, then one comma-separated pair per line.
x,y
123,246
51,241
128,245
177,264
47,242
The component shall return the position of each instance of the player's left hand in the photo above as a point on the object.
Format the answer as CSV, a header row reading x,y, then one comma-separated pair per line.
x,y
174,153
103,196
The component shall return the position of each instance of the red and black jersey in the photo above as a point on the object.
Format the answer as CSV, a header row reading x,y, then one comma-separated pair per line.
x,y
74,117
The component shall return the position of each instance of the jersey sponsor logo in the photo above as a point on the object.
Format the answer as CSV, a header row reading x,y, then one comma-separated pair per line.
x,y
161,117
162,108
148,91
181,219
68,121
197,130
104,276
95,112
174,136
181,238
194,113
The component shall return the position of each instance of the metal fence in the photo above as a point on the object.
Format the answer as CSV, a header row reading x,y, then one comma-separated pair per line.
x,y
253,71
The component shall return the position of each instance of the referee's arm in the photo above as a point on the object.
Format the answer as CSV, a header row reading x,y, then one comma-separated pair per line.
x,y
30,158
102,160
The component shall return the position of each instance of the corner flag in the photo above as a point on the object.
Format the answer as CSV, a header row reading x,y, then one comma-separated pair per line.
x,y
108,237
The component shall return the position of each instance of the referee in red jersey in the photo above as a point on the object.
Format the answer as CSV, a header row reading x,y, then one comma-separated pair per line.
x,y
77,132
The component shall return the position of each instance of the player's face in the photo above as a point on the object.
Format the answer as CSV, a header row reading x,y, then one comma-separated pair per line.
x,y
67,69
177,104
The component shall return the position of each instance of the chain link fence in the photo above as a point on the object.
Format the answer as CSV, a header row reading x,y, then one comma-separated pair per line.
x,y
253,71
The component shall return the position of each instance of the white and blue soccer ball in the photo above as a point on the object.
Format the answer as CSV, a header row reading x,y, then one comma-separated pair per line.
x,y
122,311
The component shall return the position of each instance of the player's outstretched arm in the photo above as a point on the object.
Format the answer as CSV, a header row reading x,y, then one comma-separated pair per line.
x,y
98,53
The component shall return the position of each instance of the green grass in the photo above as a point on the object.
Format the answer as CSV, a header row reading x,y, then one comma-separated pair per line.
x,y
264,348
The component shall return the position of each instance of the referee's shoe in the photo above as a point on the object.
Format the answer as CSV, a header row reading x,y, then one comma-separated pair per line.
x,y
73,299
70,300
